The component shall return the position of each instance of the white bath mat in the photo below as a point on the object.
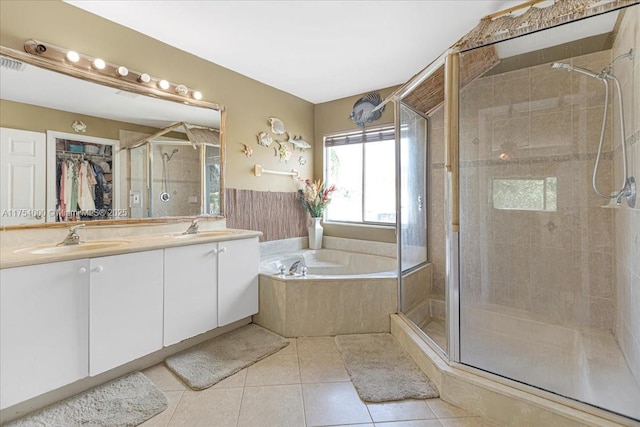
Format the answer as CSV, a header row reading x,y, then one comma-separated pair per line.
x,y
381,370
126,401
212,361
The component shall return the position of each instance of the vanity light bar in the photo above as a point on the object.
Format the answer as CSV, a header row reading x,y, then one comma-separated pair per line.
x,y
101,67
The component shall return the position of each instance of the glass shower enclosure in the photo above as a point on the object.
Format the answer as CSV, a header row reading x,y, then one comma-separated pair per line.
x,y
540,284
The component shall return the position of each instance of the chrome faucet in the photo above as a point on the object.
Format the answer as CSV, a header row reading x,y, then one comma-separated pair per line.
x,y
72,238
293,270
193,228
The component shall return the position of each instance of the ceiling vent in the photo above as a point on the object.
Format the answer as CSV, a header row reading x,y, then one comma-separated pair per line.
x,y
12,64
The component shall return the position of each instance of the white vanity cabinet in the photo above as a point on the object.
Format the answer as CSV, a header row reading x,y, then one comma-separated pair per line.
x,y
125,311
209,285
190,291
238,267
44,321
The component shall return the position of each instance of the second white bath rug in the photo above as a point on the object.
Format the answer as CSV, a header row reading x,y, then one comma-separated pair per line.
x,y
126,401
381,370
212,361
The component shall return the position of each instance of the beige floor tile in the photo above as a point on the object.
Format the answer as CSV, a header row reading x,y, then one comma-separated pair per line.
x,y
272,406
274,370
333,403
400,411
234,381
414,423
163,418
207,408
291,349
443,409
467,422
322,367
163,378
354,425
316,345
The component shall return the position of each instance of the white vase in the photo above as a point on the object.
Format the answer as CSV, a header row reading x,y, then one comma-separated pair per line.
x,y
315,234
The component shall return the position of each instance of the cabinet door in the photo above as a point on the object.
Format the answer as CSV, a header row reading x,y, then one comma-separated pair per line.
x,y
125,314
237,279
44,337
190,291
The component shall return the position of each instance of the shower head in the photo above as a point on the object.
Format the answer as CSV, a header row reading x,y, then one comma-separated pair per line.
x,y
568,67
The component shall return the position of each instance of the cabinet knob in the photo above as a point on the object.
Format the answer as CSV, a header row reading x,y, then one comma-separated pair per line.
x,y
215,251
99,269
221,250
82,270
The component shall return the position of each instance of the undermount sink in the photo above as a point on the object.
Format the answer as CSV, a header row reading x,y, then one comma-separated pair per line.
x,y
202,234
66,249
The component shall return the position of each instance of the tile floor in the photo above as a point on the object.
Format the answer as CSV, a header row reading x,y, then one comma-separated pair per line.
x,y
305,384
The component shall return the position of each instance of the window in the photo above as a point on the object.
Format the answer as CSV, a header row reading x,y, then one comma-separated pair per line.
x,y
362,166
525,194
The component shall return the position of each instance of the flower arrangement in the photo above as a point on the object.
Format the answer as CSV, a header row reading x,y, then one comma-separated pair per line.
x,y
315,196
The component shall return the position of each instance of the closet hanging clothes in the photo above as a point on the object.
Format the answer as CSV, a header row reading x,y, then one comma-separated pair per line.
x,y
83,192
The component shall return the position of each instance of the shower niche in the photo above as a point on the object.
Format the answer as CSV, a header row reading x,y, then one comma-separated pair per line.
x,y
175,173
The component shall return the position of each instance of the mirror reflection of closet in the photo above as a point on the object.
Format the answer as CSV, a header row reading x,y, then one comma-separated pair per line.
x,y
82,178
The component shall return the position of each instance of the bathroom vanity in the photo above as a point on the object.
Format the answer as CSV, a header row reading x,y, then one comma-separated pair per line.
x,y
69,314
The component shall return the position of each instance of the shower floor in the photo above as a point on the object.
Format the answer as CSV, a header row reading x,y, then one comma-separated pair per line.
x,y
583,364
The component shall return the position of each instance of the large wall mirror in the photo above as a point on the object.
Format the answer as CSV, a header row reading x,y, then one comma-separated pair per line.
x,y
80,150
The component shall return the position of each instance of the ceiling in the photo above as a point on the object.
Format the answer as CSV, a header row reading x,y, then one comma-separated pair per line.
x,y
316,50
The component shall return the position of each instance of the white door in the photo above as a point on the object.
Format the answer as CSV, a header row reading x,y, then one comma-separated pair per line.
x,y
23,180
190,291
44,333
237,279
125,310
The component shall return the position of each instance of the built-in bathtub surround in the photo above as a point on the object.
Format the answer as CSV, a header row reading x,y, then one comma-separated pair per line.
x,y
342,293
278,215
627,220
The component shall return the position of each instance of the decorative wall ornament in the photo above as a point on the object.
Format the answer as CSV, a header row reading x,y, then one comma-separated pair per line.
x,y
363,109
283,152
248,151
302,161
298,142
264,139
277,126
504,25
79,126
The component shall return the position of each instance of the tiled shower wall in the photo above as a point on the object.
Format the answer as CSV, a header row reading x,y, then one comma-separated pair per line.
x,y
626,220
556,266
183,184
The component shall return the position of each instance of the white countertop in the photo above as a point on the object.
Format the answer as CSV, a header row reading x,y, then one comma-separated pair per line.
x,y
18,257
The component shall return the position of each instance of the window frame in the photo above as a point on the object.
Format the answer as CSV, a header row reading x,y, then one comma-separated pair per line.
x,y
387,129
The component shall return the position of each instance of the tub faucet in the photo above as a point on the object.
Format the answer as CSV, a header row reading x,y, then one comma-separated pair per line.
x,y
193,228
72,238
294,268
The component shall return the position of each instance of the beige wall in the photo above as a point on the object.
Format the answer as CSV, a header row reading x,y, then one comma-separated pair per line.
x,y
333,117
16,115
248,102
626,220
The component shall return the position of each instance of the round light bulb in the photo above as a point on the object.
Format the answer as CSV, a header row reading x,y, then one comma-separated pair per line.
x,y
73,56
98,64
144,78
182,90
122,71
196,95
163,84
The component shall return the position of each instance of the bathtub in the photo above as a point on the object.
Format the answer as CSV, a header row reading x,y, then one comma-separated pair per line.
x,y
342,293
330,263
